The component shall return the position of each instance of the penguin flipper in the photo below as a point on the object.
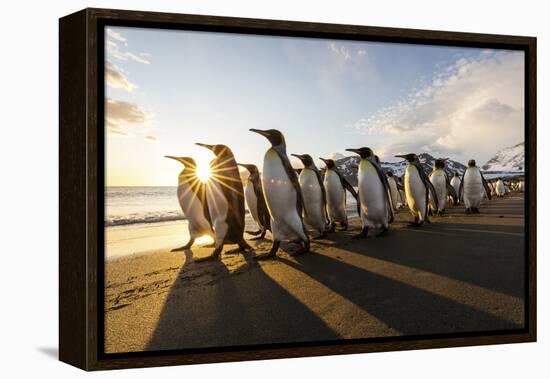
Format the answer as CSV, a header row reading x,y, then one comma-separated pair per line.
x,y
347,186
263,212
461,188
428,184
323,190
387,190
293,177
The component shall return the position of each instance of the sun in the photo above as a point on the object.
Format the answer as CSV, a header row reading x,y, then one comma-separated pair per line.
x,y
203,171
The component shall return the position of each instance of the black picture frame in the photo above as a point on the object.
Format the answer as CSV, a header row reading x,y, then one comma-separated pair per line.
x,y
81,185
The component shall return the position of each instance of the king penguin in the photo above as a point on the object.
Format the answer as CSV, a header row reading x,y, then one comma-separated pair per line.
x,y
192,199
282,194
473,188
442,186
418,189
394,190
314,195
335,186
254,196
455,182
224,193
374,194
500,189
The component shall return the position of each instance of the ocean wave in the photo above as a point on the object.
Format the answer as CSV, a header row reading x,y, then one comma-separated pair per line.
x,y
143,218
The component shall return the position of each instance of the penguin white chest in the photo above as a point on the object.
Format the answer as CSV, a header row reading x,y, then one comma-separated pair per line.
x,y
472,187
500,190
336,197
217,203
372,195
251,201
313,199
439,182
455,182
192,208
281,198
415,191
394,192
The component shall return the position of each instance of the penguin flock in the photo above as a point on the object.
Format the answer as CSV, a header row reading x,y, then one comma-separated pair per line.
x,y
292,204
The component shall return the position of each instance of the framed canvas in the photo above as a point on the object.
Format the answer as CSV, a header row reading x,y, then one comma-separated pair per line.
x,y
240,189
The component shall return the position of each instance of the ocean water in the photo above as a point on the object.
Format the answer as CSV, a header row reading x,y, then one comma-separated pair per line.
x,y
141,205
145,219
149,205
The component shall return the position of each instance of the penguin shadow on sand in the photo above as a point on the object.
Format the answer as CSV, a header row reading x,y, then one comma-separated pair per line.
x,y
232,301
402,307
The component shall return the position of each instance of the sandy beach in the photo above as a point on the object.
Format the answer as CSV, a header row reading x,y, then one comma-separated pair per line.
x,y
460,273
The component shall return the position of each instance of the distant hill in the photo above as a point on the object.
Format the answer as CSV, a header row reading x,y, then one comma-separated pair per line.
x,y
510,159
348,166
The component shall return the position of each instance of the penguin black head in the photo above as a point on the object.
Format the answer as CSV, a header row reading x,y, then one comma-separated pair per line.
x,y
377,159
305,158
218,150
411,157
456,173
329,162
188,162
440,163
364,152
273,135
252,169
472,163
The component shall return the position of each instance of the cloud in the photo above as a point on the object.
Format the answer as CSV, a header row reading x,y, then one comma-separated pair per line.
x,y
121,116
115,77
471,108
117,36
340,50
115,50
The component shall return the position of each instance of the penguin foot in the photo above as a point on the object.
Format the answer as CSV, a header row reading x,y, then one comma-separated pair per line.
x,y
344,227
253,233
243,246
272,253
187,246
212,257
363,234
332,228
265,256
468,211
475,210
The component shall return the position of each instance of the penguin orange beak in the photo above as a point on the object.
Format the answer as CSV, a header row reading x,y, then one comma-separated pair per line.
x,y
401,156
300,157
209,147
323,159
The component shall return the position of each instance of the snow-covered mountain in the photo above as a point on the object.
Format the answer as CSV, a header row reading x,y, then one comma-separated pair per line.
x,y
510,159
348,166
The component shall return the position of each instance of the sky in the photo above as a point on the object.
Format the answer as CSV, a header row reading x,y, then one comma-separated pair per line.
x,y
167,89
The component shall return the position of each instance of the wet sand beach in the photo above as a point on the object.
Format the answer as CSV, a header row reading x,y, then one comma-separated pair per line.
x,y
460,273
